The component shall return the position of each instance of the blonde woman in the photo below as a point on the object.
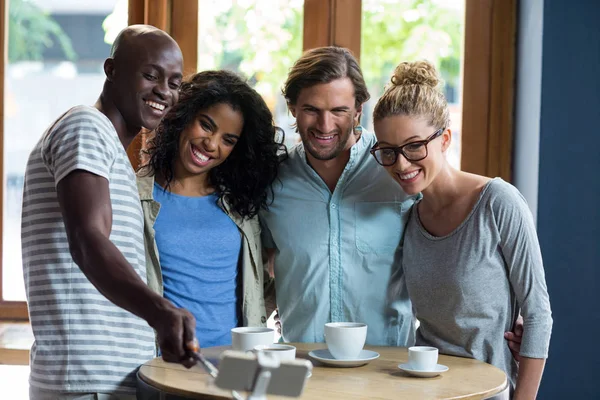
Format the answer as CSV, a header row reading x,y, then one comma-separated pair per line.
x,y
472,260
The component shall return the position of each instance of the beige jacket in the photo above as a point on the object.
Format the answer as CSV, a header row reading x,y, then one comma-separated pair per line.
x,y
255,278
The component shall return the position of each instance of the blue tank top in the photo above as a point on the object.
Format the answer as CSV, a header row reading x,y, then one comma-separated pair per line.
x,y
199,248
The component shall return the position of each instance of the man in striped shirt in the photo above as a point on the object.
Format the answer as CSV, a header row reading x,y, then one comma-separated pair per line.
x,y
83,252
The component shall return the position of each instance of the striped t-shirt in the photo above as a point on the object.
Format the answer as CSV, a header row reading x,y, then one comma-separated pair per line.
x,y
83,342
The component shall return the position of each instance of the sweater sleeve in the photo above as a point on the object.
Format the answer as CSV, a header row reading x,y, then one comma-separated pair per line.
x,y
521,251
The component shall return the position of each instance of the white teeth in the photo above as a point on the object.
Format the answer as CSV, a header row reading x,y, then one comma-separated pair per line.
x,y
324,137
199,155
409,175
158,106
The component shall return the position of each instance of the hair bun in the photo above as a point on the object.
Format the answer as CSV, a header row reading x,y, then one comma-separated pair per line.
x,y
416,73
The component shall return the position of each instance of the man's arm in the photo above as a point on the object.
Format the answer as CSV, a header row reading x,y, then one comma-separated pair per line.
x,y
84,200
514,338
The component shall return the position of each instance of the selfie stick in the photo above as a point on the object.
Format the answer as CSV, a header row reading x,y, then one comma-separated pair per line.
x,y
261,373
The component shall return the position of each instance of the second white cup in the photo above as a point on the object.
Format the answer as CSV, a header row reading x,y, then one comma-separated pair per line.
x,y
282,352
422,358
245,338
345,340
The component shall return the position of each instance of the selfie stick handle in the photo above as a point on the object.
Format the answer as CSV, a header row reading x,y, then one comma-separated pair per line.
x,y
259,392
265,365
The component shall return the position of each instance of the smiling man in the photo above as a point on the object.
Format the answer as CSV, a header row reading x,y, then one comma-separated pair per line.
x,y
91,311
336,222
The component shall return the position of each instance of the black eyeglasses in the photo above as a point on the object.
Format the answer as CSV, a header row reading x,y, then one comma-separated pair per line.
x,y
413,151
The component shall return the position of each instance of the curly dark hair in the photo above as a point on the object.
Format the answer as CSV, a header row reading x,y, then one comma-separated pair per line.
x,y
245,177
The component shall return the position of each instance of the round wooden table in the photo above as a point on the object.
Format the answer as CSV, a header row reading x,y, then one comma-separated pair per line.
x,y
380,379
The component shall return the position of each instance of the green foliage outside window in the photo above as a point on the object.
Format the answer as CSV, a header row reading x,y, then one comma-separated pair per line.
x,y
31,31
262,38
410,30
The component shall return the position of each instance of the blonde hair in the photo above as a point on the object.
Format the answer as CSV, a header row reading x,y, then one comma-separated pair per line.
x,y
414,91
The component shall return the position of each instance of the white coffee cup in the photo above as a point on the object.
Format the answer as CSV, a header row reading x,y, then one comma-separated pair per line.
x,y
422,358
281,352
245,338
345,340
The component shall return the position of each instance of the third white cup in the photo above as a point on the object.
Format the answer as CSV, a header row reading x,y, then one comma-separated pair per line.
x,y
422,358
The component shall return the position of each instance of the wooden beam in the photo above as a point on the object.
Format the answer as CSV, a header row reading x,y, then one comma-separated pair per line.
x,y
136,11
502,89
184,29
317,31
476,90
13,310
332,23
488,87
346,21
158,13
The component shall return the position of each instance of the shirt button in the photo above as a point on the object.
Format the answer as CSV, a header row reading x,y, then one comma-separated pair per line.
x,y
333,206
263,319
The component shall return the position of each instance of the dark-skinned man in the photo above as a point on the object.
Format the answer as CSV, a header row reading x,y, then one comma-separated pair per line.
x,y
92,314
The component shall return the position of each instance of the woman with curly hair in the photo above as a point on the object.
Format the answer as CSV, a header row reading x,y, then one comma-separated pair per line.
x,y
211,164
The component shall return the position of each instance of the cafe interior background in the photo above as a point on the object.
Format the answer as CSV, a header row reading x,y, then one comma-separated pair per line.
x,y
522,80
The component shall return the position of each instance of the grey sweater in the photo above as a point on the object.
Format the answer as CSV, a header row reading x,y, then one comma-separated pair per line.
x,y
468,287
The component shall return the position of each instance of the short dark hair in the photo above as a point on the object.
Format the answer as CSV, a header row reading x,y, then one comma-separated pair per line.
x,y
245,177
324,65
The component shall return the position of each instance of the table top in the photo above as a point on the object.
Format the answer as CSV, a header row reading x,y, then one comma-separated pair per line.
x,y
380,379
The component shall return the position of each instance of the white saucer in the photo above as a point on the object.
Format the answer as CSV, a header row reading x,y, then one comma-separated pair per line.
x,y
438,369
324,356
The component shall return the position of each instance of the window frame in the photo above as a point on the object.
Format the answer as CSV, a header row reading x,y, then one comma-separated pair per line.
x,y
488,77
9,310
489,84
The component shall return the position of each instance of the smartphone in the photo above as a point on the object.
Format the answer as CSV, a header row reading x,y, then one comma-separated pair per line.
x,y
238,371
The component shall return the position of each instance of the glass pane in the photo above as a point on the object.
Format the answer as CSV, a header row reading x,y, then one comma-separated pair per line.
x,y
259,39
411,30
56,50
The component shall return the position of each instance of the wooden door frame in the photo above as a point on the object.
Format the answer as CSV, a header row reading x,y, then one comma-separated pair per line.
x,y
332,23
489,87
9,310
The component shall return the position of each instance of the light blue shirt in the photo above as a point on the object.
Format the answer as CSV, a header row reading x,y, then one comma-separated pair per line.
x,y
338,254
199,248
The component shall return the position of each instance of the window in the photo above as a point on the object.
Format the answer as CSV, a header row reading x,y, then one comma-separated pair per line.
x,y
260,40
56,51
394,31
56,62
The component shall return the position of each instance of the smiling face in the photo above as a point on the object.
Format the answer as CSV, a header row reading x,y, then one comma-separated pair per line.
x,y
413,176
146,81
208,139
326,115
